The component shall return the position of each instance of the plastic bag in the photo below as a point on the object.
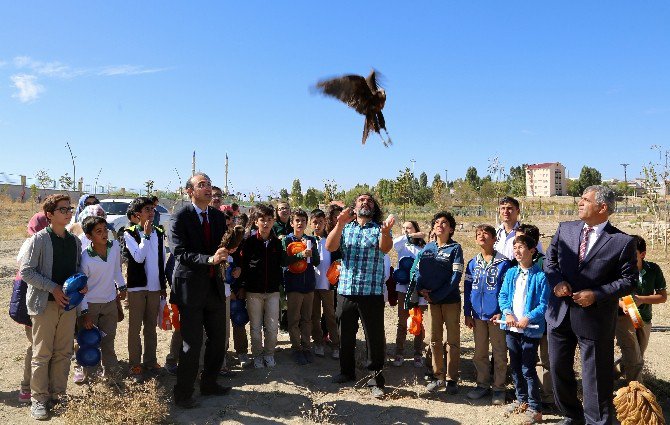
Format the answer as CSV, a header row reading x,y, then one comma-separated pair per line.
x,y
164,322
415,321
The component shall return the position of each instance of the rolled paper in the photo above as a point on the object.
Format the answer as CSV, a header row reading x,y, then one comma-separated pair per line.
x,y
502,322
309,246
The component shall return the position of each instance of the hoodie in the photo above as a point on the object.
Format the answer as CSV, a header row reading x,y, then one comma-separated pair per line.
x,y
482,286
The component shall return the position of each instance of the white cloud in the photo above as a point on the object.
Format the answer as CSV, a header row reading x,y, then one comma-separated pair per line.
x,y
28,87
48,69
110,71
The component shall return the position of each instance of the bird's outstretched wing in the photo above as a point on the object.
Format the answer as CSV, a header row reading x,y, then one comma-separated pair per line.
x,y
350,89
373,80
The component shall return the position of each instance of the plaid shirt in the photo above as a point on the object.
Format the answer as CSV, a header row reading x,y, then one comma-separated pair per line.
x,y
362,270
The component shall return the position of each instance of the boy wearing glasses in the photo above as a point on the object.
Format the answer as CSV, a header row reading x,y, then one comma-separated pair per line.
x,y
146,283
53,255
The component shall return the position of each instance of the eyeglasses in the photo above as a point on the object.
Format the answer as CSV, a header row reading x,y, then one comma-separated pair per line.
x,y
204,184
65,210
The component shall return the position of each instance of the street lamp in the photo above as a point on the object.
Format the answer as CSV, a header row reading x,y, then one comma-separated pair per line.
x,y
413,161
74,167
625,179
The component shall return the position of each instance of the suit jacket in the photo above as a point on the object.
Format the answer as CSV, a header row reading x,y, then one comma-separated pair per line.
x,y
191,279
609,270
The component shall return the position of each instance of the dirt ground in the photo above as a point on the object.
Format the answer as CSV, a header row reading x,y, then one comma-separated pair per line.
x,y
294,394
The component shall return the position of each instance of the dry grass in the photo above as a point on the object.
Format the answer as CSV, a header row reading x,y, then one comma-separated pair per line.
x,y
14,217
110,404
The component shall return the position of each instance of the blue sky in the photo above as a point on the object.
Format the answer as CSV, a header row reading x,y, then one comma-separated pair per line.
x,y
136,87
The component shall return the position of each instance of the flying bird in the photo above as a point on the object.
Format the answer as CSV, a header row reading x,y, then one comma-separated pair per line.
x,y
364,95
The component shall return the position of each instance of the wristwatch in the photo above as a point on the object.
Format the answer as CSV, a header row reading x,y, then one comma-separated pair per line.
x,y
210,260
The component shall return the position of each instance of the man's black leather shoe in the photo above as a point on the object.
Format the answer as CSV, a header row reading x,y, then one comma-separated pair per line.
x,y
187,403
215,389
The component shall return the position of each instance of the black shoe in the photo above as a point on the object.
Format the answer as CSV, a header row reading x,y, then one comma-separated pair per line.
x,y
342,378
452,387
187,403
570,421
214,389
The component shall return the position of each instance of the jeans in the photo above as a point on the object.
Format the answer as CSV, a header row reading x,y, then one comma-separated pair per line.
x,y
523,356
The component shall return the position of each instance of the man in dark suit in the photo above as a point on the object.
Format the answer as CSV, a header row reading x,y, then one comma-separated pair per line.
x,y
589,265
196,231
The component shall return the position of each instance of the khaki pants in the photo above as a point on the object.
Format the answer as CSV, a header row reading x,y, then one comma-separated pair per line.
x,y
142,311
263,311
53,338
325,298
105,317
27,361
488,332
300,319
448,315
633,343
543,372
401,332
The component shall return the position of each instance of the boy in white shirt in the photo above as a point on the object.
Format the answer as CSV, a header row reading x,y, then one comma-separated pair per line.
x,y
146,280
101,263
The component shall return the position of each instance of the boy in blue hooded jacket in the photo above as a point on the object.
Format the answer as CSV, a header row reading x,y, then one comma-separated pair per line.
x,y
523,302
436,274
483,278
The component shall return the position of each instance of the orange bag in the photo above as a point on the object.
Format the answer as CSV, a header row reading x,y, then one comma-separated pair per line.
x,y
415,321
333,273
633,312
164,316
175,317
292,249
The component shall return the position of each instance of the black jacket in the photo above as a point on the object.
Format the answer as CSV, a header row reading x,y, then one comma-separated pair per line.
x,y
262,264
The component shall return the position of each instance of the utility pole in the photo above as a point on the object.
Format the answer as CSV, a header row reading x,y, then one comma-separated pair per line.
x,y
625,179
446,178
413,161
74,167
226,174
193,165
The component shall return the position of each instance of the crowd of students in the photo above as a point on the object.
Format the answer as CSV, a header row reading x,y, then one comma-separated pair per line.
x,y
282,269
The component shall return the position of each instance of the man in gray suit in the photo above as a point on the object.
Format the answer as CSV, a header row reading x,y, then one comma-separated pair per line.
x,y
589,265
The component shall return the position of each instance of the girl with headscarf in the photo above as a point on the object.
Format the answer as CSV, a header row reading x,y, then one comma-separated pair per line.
x,y
86,200
17,306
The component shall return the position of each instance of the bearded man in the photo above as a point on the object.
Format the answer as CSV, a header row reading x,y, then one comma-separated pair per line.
x,y
363,240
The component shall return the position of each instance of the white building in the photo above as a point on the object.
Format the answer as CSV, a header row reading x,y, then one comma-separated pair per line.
x,y
546,179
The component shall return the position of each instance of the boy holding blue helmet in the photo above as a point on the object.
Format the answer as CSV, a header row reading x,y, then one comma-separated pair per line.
x,y
53,255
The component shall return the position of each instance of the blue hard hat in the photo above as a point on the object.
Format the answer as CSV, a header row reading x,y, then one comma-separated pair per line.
x,y
401,276
89,337
88,356
71,288
405,263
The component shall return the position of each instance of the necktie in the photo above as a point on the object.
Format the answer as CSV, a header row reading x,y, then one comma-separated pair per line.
x,y
208,238
585,242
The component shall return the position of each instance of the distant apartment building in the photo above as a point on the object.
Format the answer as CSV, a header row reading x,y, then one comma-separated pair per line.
x,y
546,179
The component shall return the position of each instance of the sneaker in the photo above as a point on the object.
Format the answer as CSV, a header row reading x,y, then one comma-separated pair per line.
x,y
319,351
515,408
498,398
478,393
270,361
258,362
299,358
79,375
452,387
308,356
376,392
154,369
531,417
336,354
171,369
39,411
24,396
418,361
243,358
428,376
136,373
398,360
435,386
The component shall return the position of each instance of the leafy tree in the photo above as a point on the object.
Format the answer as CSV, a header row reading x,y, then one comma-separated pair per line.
x,y
312,198
589,177
472,178
384,190
329,191
517,180
574,188
464,193
423,180
440,193
296,193
283,194
33,191
354,192
149,186
66,182
437,179
43,179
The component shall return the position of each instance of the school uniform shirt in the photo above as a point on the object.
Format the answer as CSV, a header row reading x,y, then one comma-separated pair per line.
x,y
146,252
404,248
519,298
104,275
321,270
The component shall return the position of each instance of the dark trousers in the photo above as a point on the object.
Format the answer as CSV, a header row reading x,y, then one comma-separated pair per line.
x,y
211,316
597,381
522,359
370,310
